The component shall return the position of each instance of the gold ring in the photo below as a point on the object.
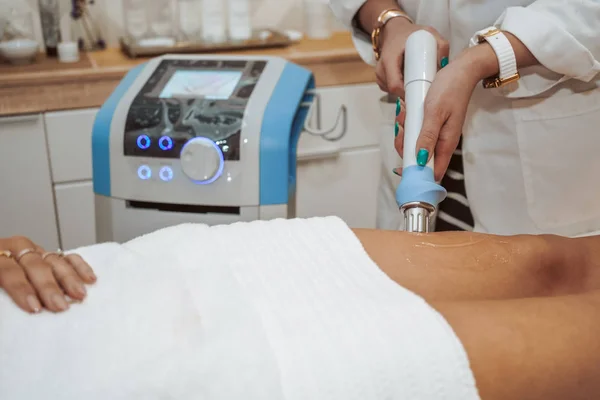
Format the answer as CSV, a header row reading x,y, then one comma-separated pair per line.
x,y
58,253
6,253
23,253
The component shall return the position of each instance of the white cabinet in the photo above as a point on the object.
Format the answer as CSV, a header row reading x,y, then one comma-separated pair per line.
x,y
70,144
26,198
70,148
75,214
341,178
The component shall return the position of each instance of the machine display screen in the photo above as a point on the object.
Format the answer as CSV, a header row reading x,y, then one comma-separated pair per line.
x,y
187,98
215,85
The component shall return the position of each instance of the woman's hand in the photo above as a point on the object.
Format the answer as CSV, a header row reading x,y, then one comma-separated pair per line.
x,y
444,115
390,66
34,278
448,99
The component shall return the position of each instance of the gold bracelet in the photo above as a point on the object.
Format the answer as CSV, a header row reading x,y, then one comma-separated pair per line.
x,y
383,19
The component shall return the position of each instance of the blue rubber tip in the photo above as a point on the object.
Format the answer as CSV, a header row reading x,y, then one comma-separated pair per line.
x,y
418,184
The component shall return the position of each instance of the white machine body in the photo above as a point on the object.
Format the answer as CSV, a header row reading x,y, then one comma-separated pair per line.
x,y
209,139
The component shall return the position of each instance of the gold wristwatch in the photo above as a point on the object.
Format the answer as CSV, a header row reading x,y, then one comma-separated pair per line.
x,y
507,60
383,19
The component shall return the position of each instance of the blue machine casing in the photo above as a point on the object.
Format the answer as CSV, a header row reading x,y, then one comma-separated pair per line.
x,y
283,123
283,95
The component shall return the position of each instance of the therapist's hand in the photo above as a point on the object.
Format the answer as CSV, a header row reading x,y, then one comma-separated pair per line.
x,y
36,279
445,110
389,70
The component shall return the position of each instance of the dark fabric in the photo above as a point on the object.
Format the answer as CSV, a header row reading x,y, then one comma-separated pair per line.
x,y
454,213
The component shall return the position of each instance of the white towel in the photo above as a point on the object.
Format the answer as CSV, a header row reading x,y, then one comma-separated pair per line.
x,y
286,309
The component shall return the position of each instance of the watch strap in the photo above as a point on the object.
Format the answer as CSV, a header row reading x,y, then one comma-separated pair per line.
x,y
507,61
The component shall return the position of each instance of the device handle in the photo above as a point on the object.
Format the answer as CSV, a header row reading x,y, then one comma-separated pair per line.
x,y
420,67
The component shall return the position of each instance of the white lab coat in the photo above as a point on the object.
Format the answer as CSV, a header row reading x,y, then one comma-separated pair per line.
x,y
532,156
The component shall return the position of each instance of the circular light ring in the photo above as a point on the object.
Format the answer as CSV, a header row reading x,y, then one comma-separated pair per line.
x,y
169,172
144,138
144,172
168,145
219,152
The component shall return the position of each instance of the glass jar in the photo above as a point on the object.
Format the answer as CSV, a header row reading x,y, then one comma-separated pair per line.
x,y
135,19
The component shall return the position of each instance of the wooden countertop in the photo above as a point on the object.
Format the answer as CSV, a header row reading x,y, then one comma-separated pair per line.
x,y
51,86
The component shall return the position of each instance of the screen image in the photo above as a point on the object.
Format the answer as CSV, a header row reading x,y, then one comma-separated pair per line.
x,y
217,85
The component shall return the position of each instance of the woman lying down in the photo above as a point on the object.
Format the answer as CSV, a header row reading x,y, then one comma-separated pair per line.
x,y
309,309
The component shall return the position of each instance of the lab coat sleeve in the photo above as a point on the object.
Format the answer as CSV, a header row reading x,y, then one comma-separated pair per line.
x,y
345,10
564,35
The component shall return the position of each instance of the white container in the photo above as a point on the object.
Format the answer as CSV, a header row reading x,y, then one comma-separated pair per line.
x,y
239,19
214,24
19,51
68,52
317,19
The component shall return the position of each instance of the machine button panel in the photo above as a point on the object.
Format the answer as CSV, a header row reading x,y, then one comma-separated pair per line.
x,y
202,160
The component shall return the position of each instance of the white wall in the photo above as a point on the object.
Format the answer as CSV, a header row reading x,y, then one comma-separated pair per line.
x,y
277,14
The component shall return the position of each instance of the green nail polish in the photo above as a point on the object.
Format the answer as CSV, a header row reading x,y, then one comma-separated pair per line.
x,y
398,106
444,62
395,172
396,129
422,157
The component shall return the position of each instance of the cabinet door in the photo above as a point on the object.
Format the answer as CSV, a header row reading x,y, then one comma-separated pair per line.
x,y
344,186
26,200
70,144
341,178
75,211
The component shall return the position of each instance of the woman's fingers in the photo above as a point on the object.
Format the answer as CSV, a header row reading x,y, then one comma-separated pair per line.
x,y
67,276
432,124
399,126
42,278
83,268
393,65
380,76
39,274
16,284
448,141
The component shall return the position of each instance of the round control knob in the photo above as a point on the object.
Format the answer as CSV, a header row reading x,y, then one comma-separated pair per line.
x,y
202,160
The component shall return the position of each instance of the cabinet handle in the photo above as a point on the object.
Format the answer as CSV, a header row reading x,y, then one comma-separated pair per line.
x,y
342,119
19,118
318,154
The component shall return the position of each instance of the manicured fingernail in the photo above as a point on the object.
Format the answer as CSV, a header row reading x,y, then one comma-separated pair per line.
x,y
444,62
34,304
396,129
398,106
79,289
395,171
60,302
422,157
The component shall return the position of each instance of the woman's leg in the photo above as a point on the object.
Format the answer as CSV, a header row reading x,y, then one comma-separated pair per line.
x,y
470,266
538,348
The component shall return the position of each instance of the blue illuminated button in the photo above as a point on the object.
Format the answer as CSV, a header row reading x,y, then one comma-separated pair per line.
x,y
144,172
166,174
165,143
143,142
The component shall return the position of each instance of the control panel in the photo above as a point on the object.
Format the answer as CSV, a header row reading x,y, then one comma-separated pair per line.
x,y
191,110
